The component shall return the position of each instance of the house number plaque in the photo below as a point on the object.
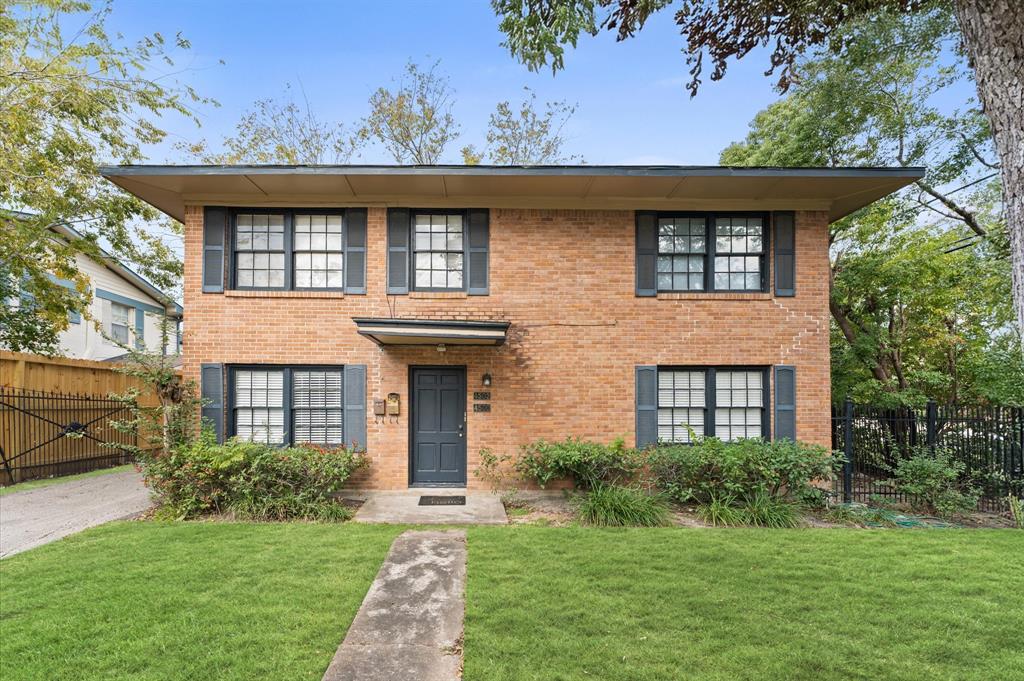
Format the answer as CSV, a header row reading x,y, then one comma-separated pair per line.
x,y
481,407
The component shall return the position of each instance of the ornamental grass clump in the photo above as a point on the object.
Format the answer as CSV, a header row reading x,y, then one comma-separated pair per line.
x,y
620,506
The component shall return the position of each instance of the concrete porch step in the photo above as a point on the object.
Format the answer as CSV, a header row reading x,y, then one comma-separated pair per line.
x,y
402,507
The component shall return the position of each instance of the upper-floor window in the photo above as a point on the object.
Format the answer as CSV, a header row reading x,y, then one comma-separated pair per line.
x,y
438,251
289,250
120,322
730,403
712,252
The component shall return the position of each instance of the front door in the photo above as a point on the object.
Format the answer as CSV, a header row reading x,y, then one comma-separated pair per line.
x,y
438,417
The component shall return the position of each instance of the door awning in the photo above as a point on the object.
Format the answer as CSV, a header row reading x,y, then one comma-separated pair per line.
x,y
432,331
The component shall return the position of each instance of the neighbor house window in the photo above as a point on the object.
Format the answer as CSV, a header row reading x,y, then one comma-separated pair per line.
x,y
288,405
259,250
438,251
120,316
712,251
729,403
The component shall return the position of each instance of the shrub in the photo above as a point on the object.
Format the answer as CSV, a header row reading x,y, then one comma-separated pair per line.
x,y
711,470
588,464
935,483
293,483
620,506
250,480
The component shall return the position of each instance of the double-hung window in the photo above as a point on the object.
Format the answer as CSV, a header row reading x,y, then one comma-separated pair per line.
x,y
288,405
291,249
730,403
120,322
438,251
712,252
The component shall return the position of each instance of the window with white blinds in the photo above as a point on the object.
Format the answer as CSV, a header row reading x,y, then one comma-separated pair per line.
x,y
259,405
737,399
681,405
317,408
289,405
739,402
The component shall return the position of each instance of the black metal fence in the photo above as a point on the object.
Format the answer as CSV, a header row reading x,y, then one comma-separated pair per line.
x,y
45,434
988,440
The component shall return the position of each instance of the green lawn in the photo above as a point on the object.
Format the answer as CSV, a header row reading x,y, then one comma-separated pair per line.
x,y
550,603
145,600
148,600
45,482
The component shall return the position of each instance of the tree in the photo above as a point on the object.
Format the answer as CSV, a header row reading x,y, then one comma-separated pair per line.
x,y
524,136
992,32
68,104
919,300
283,132
414,120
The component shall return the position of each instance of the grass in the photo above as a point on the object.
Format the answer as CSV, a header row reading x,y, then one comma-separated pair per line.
x,y
46,482
148,600
640,604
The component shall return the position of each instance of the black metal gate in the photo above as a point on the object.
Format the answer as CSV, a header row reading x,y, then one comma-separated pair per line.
x,y
989,441
46,434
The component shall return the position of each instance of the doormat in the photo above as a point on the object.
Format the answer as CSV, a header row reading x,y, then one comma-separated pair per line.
x,y
443,501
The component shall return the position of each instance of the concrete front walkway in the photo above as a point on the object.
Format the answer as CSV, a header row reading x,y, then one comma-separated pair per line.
x,y
410,623
402,507
45,514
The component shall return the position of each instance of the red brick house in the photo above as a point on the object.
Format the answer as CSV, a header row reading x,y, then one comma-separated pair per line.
x,y
427,313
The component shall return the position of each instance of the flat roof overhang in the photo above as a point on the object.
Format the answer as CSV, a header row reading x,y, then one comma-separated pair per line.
x,y
431,331
837,191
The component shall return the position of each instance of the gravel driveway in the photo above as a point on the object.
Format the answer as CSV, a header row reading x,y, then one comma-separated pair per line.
x,y
39,516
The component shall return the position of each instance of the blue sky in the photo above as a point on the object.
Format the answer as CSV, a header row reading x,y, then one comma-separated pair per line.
x,y
633,107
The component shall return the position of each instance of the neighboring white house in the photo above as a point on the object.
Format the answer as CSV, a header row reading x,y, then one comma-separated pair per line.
x,y
126,306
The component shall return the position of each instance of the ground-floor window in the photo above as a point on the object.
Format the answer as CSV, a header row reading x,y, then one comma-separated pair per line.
x,y
288,405
730,403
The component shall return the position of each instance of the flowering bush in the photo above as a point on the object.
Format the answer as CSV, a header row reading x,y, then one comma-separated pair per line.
x,y
251,481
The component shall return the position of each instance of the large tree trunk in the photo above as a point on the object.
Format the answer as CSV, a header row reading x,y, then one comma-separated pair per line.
x,y
993,33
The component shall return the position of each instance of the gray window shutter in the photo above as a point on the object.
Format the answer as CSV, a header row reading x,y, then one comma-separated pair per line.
x,y
646,253
215,223
785,253
478,233
646,406
355,405
355,250
211,380
785,402
398,250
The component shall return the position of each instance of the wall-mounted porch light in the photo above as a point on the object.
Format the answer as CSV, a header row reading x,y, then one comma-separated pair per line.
x,y
486,380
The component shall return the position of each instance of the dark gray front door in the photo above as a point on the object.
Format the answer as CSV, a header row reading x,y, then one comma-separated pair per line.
x,y
438,416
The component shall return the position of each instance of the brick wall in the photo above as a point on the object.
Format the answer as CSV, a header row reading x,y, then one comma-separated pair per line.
x,y
565,280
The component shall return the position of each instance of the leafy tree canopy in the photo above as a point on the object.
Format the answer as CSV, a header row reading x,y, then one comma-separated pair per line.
x,y
920,294
522,135
72,99
413,120
280,131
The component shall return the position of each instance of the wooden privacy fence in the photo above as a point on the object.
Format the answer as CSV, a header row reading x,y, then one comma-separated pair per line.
x,y
56,413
